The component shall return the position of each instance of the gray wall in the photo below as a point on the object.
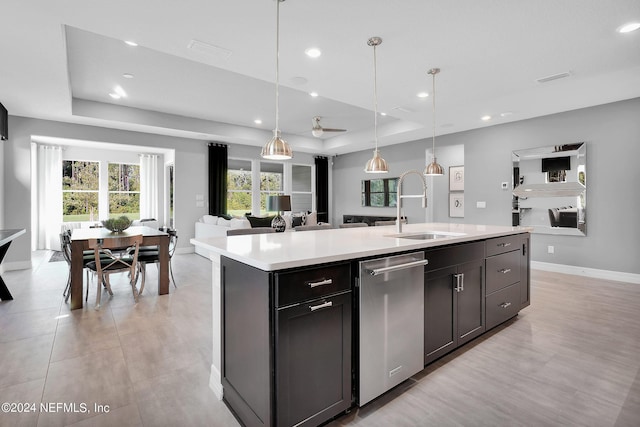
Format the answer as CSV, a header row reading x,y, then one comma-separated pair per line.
x,y
190,170
612,134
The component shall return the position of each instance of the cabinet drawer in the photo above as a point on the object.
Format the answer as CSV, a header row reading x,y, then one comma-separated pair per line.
x,y
453,255
502,270
303,285
502,305
504,244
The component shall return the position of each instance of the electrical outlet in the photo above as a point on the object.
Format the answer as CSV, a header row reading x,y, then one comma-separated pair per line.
x,y
550,249
505,185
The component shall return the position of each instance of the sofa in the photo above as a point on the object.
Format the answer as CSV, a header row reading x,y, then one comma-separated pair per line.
x,y
217,226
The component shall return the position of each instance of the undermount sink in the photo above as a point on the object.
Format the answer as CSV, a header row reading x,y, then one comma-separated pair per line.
x,y
427,235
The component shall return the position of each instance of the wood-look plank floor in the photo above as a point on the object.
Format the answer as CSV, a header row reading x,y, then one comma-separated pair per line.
x,y
570,359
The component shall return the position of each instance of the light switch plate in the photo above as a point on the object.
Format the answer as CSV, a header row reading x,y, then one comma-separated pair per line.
x,y
481,205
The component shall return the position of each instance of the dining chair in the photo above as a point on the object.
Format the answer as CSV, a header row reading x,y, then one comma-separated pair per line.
x,y
151,254
87,257
107,261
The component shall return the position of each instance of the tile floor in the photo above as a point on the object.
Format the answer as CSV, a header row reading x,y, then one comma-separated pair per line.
x,y
571,359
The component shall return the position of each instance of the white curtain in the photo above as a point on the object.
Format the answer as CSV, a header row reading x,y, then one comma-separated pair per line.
x,y
149,190
49,183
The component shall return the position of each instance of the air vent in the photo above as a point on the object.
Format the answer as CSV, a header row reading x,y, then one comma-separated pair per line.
x,y
553,77
209,49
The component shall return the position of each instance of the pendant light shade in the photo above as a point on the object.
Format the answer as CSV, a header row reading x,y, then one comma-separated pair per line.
x,y
434,168
376,164
277,148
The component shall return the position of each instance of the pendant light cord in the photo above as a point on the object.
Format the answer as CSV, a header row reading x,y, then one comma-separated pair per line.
x,y
277,129
375,98
433,90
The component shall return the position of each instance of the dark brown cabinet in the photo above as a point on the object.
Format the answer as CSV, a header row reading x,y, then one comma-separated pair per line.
x,y
453,298
507,277
287,343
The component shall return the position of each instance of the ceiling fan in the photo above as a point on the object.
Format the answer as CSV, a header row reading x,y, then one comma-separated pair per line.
x,y
318,130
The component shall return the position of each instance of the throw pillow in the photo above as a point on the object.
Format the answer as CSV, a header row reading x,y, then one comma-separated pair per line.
x,y
312,218
257,221
240,223
210,219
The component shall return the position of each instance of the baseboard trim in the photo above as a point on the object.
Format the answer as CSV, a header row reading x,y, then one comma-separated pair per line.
x,y
215,382
16,265
619,276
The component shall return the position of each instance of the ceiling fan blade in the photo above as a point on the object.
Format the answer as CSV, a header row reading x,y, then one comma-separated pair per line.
x,y
333,130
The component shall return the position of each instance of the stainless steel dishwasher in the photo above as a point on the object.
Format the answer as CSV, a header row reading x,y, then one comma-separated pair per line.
x,y
391,322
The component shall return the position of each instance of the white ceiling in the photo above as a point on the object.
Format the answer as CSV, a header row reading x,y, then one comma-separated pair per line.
x,y
60,59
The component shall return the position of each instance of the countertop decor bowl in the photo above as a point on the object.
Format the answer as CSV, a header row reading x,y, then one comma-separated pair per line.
x,y
117,224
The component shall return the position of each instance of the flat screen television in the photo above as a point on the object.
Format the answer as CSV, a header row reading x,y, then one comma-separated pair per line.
x,y
556,164
4,123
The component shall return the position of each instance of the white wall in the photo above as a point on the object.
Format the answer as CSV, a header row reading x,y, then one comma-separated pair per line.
x,y
612,134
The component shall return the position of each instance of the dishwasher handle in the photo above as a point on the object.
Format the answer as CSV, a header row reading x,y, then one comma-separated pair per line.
x,y
377,271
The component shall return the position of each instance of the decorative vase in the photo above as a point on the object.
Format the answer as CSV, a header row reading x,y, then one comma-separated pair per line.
x,y
278,224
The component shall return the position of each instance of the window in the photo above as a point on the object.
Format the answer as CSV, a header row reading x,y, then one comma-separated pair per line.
x,y
301,189
80,190
124,190
379,192
239,187
270,182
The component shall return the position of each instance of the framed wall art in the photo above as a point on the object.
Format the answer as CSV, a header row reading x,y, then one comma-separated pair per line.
x,y
456,205
456,178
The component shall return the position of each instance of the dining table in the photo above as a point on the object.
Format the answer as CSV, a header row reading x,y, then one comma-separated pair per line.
x,y
80,243
6,237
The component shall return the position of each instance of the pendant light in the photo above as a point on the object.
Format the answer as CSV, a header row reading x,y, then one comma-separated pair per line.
x,y
277,148
376,164
433,168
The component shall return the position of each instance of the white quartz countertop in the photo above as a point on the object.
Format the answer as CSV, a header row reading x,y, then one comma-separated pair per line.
x,y
278,251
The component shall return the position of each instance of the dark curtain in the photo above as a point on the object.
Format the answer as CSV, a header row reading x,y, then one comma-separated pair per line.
x,y
217,179
322,188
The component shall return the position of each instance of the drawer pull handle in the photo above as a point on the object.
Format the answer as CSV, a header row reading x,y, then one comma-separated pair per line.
x,y
504,270
505,304
319,306
504,245
320,283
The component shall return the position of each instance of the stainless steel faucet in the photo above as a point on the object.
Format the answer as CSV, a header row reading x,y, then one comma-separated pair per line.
x,y
423,196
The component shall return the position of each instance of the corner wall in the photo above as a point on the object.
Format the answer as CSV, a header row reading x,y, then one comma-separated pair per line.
x,y
612,134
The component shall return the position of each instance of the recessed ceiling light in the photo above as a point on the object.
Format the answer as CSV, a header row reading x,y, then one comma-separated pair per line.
x,y
383,114
314,94
485,118
506,114
257,121
120,91
627,28
127,75
313,52
131,43
422,95
114,95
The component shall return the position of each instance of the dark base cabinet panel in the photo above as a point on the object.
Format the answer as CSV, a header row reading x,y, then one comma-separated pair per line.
x,y
503,305
313,348
246,373
439,309
470,302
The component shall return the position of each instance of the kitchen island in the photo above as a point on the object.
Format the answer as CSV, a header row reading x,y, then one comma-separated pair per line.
x,y
288,344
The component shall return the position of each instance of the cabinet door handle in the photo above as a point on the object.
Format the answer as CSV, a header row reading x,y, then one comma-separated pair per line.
x,y
320,283
459,282
319,306
504,245
377,271
504,270
505,304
